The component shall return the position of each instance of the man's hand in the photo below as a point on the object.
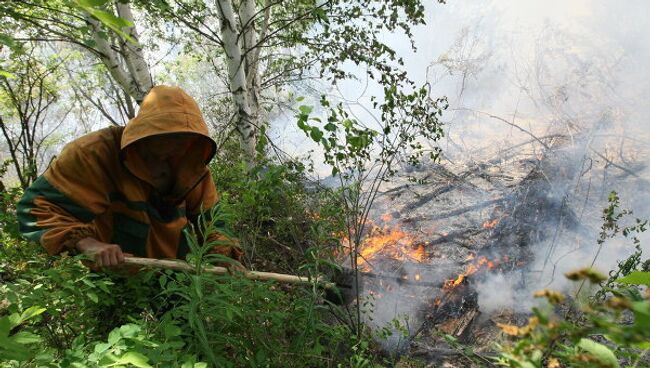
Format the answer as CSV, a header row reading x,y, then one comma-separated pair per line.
x,y
104,254
235,267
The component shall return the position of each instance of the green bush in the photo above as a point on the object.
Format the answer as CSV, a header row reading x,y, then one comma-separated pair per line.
x,y
280,221
167,318
236,322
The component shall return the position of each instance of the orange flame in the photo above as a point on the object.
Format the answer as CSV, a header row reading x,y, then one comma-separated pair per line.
x,y
392,243
490,224
482,263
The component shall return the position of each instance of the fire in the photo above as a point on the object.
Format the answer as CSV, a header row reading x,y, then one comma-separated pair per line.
x,y
482,263
490,224
392,243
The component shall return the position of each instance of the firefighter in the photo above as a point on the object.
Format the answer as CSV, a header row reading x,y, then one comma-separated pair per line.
x,y
132,190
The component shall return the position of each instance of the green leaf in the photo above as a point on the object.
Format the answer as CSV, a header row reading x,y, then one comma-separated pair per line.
x,y
25,337
330,127
130,330
303,126
31,312
602,353
92,3
5,326
111,20
87,282
12,351
7,74
137,359
114,337
316,134
92,296
636,278
641,311
172,330
101,347
7,40
306,110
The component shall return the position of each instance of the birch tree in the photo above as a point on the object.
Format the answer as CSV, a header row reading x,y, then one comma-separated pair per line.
x,y
106,29
269,45
247,118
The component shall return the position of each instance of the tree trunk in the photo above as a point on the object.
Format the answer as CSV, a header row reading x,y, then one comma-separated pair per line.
x,y
247,13
134,57
128,67
246,119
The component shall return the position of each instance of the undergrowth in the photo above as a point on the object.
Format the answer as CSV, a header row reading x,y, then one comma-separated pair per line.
x,y
55,312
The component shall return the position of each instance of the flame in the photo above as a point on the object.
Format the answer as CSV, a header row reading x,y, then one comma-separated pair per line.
x,y
490,224
481,263
386,217
417,277
392,243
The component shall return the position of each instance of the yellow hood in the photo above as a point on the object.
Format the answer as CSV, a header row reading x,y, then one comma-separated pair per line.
x,y
169,110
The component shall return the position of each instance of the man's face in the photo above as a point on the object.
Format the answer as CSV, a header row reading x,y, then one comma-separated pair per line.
x,y
162,148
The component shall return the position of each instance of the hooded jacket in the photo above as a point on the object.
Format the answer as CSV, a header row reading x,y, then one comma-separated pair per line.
x,y
99,187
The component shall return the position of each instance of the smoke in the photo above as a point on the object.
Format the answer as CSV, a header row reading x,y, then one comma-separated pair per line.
x,y
521,71
567,81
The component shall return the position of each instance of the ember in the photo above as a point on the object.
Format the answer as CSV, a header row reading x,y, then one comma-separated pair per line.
x,y
490,224
482,263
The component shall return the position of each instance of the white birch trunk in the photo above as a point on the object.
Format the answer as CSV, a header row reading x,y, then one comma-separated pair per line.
x,y
133,55
251,48
246,123
109,56
128,68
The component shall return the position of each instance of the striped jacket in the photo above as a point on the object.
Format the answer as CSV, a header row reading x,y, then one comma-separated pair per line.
x,y
98,187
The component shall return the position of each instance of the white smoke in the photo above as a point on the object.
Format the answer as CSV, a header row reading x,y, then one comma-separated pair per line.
x,y
514,70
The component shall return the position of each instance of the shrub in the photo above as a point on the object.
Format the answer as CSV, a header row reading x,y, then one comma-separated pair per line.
x,y
280,220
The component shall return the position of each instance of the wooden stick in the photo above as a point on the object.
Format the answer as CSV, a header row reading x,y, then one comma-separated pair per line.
x,y
170,264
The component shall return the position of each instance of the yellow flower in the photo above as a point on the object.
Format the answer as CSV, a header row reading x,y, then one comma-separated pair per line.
x,y
513,330
586,274
619,303
553,297
553,363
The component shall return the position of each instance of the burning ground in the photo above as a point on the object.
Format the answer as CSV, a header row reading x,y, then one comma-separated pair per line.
x,y
548,114
467,248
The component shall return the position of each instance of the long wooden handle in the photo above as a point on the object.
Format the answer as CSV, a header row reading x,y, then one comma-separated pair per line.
x,y
251,275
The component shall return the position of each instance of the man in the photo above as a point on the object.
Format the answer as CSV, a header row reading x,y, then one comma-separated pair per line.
x,y
129,190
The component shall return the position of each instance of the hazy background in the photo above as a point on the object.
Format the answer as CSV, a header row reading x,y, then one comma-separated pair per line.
x,y
577,68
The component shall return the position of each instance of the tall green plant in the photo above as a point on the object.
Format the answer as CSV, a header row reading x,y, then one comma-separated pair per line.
x,y
235,322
